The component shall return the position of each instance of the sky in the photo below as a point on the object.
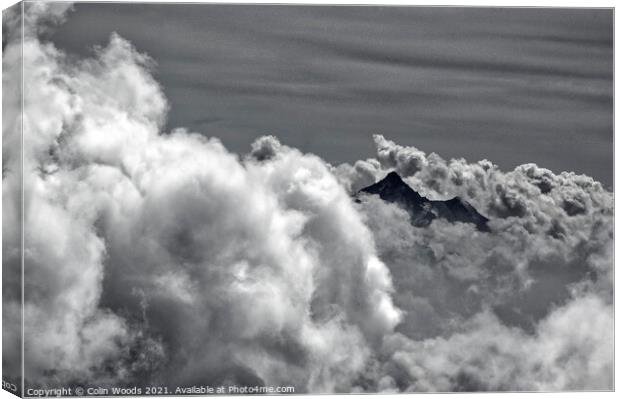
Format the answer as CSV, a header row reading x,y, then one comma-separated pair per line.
x,y
509,85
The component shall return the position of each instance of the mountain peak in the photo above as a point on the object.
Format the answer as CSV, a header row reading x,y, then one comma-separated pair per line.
x,y
392,188
423,211
393,176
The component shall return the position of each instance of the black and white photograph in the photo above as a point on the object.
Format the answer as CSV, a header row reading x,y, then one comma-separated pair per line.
x,y
288,199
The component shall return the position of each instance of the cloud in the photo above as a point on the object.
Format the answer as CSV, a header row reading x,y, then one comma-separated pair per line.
x,y
265,147
162,257
547,259
484,354
405,160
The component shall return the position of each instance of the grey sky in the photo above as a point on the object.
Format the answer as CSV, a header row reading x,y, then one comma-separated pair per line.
x,y
510,85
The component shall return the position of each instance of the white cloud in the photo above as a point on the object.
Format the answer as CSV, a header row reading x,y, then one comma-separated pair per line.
x,y
519,288
225,269
570,350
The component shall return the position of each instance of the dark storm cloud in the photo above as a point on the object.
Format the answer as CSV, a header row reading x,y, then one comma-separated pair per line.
x,y
515,85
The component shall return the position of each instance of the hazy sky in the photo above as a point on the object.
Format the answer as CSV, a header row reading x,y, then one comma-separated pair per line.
x,y
510,85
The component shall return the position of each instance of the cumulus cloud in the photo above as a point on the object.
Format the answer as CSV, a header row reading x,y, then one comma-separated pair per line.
x,y
484,354
265,147
548,254
165,257
161,257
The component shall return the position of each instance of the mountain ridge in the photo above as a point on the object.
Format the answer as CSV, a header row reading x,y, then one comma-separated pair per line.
x,y
422,210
